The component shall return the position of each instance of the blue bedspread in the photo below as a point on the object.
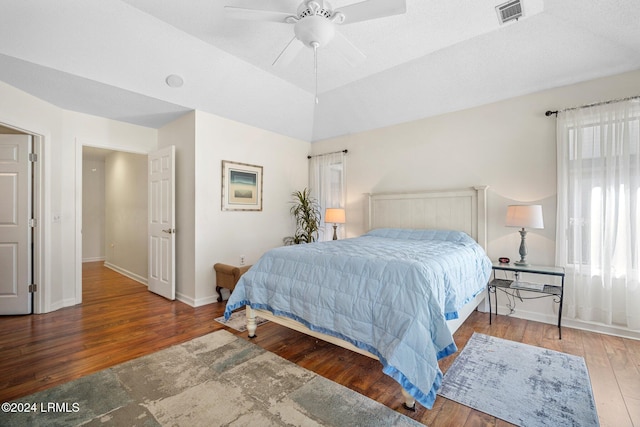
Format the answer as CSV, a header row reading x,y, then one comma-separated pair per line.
x,y
389,292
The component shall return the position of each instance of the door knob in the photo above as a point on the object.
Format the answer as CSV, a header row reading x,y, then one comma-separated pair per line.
x,y
169,231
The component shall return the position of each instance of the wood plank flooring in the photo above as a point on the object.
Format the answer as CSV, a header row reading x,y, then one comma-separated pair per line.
x,y
120,320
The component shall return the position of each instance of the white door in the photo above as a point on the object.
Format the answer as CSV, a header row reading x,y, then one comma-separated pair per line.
x,y
162,271
15,230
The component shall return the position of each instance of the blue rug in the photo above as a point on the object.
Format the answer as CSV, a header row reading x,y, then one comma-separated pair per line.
x,y
521,384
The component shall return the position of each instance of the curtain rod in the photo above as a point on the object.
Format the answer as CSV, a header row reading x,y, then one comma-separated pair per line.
x,y
549,112
326,154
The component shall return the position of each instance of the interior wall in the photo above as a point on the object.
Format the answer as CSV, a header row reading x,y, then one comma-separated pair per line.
x,y
93,209
80,130
63,133
126,216
181,134
9,131
205,234
223,236
508,145
21,110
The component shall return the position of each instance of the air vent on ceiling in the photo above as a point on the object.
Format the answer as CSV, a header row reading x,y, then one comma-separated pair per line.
x,y
509,11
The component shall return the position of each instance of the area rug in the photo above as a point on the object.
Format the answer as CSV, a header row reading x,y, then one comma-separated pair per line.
x,y
238,320
521,384
218,379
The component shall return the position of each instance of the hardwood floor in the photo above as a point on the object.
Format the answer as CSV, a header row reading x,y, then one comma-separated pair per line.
x,y
120,320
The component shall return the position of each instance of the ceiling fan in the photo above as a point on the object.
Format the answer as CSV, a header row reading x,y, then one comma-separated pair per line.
x,y
315,21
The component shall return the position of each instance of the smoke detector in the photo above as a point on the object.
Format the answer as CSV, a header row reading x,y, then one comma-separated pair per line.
x,y
509,11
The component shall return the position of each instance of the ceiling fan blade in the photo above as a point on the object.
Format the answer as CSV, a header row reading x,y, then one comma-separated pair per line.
x,y
288,54
347,50
258,14
372,9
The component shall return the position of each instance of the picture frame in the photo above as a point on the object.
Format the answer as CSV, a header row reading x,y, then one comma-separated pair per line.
x,y
241,186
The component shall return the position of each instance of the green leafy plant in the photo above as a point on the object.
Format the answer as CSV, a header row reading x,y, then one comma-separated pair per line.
x,y
306,210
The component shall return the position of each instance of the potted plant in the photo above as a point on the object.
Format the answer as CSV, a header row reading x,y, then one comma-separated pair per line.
x,y
306,210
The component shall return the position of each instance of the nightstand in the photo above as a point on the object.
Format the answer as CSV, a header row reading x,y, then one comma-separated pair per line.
x,y
513,287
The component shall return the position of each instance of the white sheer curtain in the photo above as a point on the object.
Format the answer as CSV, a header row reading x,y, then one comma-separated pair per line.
x,y
598,224
327,185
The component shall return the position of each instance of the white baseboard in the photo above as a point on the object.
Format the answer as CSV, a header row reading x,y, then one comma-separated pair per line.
x,y
127,273
93,259
185,299
57,305
204,301
617,331
197,302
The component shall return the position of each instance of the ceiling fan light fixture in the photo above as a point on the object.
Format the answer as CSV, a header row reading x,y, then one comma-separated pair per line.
x,y
314,25
314,29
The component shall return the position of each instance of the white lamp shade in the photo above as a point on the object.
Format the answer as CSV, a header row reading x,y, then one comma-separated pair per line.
x,y
525,216
334,215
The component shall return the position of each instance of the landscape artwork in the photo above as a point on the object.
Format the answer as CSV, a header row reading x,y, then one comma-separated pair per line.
x,y
241,187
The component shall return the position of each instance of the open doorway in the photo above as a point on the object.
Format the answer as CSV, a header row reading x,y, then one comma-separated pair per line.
x,y
114,211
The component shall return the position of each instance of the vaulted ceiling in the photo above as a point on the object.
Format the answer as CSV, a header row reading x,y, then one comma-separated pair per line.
x,y
111,58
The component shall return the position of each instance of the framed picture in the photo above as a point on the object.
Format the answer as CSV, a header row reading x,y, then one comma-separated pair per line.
x,y
241,187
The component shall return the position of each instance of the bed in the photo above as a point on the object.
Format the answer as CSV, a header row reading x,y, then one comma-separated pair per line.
x,y
396,293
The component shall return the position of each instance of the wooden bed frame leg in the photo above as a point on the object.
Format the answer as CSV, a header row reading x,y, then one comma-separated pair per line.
x,y
251,322
409,401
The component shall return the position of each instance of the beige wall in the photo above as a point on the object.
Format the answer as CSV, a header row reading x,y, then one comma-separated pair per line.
x,y
181,134
6,130
205,234
508,145
28,113
85,130
63,133
222,236
126,214
93,209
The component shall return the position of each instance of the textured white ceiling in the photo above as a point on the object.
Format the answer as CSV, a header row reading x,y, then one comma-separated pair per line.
x,y
111,58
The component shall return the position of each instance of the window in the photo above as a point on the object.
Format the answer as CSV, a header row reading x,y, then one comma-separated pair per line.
x,y
327,184
598,222
603,174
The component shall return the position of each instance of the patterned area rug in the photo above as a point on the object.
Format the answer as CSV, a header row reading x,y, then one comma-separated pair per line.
x,y
522,384
218,379
238,320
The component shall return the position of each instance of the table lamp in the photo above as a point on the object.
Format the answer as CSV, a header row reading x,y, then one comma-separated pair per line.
x,y
336,216
524,216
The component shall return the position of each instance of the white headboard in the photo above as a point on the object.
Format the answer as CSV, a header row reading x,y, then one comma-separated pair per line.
x,y
462,209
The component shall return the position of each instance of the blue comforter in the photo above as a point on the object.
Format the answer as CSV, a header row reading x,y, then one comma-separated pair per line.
x,y
388,292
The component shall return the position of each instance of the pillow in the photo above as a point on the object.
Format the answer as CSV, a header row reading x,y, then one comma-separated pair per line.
x,y
422,234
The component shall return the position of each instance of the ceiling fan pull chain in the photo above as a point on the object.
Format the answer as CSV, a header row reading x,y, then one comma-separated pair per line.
x,y
315,65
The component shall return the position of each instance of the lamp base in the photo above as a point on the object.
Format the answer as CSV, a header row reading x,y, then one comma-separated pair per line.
x,y
335,234
523,248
